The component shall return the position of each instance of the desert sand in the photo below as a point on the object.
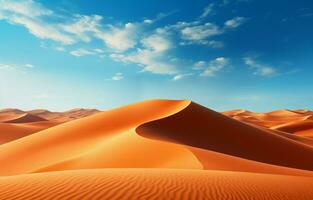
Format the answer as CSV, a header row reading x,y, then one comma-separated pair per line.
x,y
156,149
15,123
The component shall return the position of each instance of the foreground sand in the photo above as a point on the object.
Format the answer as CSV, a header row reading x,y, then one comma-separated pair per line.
x,y
155,184
162,148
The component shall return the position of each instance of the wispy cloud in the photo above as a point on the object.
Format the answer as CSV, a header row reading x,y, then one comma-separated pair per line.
x,y
120,38
15,67
207,10
152,56
235,22
181,76
86,52
200,32
259,69
213,67
117,77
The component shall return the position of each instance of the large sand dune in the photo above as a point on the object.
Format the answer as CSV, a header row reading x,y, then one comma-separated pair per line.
x,y
161,147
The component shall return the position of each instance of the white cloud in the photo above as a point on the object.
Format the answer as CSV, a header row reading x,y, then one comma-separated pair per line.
x,y
160,16
42,30
85,52
27,8
235,22
73,29
180,76
200,32
199,65
211,43
207,10
84,27
29,65
259,69
59,48
117,77
150,61
213,67
153,57
28,13
7,67
120,38
148,21
15,67
156,43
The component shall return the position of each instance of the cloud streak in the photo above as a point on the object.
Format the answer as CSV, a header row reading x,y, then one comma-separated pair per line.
x,y
259,69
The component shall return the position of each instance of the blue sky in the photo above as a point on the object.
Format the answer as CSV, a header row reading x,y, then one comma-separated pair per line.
x,y
224,54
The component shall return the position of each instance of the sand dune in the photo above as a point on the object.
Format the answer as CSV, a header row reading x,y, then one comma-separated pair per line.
x,y
302,127
170,122
155,184
216,132
173,149
25,118
271,119
10,114
10,132
15,123
63,116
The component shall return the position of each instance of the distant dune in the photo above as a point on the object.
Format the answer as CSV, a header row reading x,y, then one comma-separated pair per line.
x,y
298,122
15,123
163,149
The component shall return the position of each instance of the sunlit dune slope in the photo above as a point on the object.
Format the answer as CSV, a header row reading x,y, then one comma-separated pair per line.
x,y
108,135
155,184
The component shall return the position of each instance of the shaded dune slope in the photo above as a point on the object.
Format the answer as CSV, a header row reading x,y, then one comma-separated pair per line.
x,y
155,184
25,118
201,127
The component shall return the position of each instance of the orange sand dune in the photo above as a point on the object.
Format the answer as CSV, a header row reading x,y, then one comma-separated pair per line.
x,y
13,131
270,119
20,123
25,118
302,127
155,184
8,115
63,116
216,132
79,144
203,154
